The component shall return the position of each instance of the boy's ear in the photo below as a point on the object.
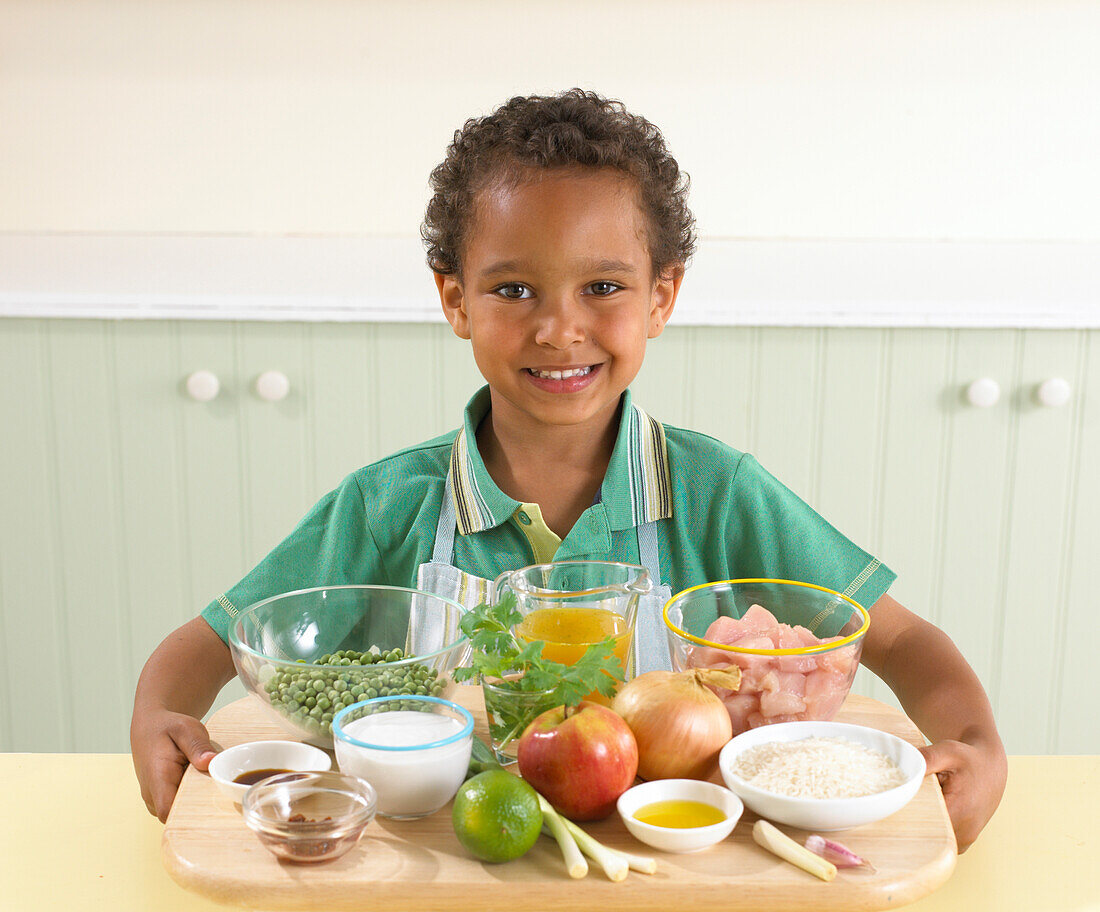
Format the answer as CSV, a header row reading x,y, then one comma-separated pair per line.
x,y
454,304
665,289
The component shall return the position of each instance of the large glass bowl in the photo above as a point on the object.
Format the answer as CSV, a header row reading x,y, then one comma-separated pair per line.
x,y
300,653
787,675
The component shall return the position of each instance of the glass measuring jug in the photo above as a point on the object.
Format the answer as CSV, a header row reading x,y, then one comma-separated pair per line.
x,y
569,605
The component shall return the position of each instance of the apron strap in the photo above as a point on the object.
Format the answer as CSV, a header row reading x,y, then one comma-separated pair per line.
x,y
647,551
445,529
651,641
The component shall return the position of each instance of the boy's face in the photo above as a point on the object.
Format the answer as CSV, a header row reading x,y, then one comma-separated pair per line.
x,y
558,298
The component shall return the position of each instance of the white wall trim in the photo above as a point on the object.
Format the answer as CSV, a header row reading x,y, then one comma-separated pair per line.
x,y
384,279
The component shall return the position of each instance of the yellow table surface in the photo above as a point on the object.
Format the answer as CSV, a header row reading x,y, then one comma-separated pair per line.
x,y
76,835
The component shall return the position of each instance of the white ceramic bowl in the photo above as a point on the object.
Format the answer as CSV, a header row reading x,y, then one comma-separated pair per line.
x,y
669,839
257,755
820,814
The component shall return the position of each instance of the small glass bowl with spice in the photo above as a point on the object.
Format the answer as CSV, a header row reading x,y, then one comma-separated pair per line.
x,y
309,817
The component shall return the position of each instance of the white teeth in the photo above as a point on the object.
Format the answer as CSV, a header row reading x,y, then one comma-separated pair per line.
x,y
561,375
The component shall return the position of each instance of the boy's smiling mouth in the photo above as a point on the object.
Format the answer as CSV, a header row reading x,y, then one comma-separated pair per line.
x,y
563,379
561,374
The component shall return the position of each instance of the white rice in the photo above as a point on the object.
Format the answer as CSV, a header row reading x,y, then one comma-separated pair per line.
x,y
818,768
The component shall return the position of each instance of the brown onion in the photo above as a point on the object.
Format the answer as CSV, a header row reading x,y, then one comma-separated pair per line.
x,y
680,724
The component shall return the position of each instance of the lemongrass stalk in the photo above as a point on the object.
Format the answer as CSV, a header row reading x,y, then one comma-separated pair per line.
x,y
779,843
574,860
639,863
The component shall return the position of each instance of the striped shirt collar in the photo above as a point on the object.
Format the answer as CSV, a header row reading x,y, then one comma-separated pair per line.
x,y
635,490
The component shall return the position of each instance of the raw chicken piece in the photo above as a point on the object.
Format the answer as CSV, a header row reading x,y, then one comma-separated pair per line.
x,y
839,661
781,694
780,702
769,683
791,682
726,630
753,677
753,667
805,635
825,691
759,620
789,638
757,719
740,707
707,657
755,642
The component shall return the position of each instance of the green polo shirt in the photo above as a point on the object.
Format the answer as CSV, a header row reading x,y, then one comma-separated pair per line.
x,y
719,515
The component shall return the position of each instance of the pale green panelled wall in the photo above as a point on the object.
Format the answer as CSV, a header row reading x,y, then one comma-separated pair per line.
x,y
126,505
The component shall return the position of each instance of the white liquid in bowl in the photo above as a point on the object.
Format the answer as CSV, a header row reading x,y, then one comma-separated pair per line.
x,y
412,782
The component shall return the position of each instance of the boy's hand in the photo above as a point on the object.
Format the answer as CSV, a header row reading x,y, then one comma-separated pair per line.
x,y
973,780
163,743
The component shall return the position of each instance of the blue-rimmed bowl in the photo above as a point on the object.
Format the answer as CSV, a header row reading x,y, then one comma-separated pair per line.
x,y
286,649
796,667
414,750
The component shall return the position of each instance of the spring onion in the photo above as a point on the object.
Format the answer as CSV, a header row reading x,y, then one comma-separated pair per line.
x,y
555,823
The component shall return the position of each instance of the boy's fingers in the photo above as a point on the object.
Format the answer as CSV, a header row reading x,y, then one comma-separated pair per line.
x,y
938,758
163,788
192,738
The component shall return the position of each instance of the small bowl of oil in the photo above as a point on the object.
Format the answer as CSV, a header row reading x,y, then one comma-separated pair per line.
x,y
680,815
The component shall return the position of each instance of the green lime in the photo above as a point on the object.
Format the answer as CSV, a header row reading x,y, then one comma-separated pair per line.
x,y
496,816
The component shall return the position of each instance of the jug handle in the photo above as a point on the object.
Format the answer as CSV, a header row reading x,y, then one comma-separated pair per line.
x,y
499,587
643,584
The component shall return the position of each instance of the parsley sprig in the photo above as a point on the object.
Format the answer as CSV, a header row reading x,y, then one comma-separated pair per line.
x,y
497,653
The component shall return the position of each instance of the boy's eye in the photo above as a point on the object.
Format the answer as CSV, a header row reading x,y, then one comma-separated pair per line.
x,y
603,289
514,291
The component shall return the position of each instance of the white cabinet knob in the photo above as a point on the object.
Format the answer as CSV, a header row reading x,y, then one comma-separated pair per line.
x,y
272,386
203,385
1054,392
984,392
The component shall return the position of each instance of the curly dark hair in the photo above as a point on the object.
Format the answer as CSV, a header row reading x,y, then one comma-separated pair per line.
x,y
575,128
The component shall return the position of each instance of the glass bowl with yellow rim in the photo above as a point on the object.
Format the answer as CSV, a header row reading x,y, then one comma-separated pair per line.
x,y
797,645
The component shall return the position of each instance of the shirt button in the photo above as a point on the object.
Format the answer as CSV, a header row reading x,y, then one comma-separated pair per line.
x,y
523,518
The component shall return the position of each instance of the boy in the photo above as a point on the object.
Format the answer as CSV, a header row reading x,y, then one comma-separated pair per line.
x,y
558,235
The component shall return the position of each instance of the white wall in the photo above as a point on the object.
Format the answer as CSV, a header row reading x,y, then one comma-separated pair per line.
x,y
797,119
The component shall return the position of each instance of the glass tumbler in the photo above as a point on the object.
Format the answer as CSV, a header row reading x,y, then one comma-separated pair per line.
x,y
509,711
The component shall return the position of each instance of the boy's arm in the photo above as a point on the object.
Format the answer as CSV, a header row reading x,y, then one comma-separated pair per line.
x,y
177,686
943,696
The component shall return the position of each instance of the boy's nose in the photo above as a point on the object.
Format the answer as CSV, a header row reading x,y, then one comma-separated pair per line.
x,y
560,322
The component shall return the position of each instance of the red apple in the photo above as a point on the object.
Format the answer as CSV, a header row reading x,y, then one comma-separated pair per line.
x,y
580,760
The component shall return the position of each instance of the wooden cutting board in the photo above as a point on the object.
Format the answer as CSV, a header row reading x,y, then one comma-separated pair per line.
x,y
412,865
